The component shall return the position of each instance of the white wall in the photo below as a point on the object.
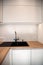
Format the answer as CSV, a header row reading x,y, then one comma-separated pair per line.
x,y
25,32
40,27
40,33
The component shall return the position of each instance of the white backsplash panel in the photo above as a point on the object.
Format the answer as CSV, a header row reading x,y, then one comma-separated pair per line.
x,y
25,32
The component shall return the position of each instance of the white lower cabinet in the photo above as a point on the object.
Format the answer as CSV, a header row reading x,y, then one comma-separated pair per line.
x,y
21,57
37,57
24,57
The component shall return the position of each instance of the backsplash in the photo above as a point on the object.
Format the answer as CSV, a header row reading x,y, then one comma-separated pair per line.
x,y
25,32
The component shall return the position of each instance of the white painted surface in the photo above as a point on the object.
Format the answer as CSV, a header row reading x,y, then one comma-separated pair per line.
x,y
40,27
22,2
28,11
21,57
0,11
25,32
37,57
24,57
40,33
42,10
21,11
21,14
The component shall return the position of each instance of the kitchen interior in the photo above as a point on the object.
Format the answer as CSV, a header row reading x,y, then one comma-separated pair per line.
x,y
21,32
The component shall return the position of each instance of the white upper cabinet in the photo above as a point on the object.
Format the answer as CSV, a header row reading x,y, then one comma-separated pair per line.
x,y
42,10
22,2
22,11
21,14
1,11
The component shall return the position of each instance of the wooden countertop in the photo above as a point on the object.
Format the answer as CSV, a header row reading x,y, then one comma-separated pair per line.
x,y
35,44
4,50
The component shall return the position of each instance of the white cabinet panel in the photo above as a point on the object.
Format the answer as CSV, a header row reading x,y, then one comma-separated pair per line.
x,y
17,57
0,14
21,57
24,57
42,10
22,2
1,11
21,14
37,57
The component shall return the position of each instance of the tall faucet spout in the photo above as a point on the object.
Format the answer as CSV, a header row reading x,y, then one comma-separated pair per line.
x,y
16,37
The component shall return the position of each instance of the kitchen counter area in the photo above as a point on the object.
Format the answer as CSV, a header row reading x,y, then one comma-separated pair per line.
x,y
21,32
32,44
3,52
13,44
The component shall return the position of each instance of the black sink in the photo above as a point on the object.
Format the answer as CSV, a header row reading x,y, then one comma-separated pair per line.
x,y
10,44
19,44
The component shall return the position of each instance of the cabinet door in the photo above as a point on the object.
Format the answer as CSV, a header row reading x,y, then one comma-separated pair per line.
x,y
21,57
37,57
17,57
1,11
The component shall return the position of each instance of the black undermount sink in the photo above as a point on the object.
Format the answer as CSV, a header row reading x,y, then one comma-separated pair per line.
x,y
19,44
10,44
